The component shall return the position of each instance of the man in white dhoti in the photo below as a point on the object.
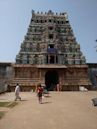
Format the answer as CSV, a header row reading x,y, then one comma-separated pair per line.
x,y
17,91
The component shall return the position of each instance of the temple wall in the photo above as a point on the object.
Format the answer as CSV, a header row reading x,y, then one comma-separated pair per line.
x,y
5,76
69,78
93,75
28,77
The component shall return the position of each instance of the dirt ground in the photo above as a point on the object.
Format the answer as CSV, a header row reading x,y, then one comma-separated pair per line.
x,y
61,110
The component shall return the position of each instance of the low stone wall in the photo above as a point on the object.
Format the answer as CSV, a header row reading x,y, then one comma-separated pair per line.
x,y
3,86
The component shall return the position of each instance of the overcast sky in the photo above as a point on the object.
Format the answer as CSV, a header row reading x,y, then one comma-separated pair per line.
x,y
15,17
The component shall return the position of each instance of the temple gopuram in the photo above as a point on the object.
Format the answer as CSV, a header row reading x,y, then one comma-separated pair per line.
x,y
50,55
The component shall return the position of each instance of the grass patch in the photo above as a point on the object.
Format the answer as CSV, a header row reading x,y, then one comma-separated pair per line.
x,y
1,114
8,104
4,104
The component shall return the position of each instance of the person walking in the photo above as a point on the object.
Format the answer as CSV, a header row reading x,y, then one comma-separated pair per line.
x,y
39,93
17,92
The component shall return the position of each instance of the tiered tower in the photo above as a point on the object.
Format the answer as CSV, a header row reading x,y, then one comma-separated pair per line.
x,y
50,40
50,55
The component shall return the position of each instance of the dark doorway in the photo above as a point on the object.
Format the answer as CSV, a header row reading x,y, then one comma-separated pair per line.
x,y
51,79
51,59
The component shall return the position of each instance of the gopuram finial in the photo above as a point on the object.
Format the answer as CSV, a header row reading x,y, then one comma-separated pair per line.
x,y
32,11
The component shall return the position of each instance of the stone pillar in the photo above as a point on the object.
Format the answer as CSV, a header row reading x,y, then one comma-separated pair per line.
x,y
48,59
54,59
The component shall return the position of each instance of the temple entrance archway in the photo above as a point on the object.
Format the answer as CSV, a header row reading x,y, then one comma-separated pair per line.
x,y
51,79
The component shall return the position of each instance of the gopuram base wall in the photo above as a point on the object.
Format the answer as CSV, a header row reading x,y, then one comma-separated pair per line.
x,y
70,78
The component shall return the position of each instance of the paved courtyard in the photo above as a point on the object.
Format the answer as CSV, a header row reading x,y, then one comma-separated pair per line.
x,y
61,110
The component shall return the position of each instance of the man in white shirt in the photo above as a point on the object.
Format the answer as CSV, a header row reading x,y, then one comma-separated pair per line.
x,y
17,91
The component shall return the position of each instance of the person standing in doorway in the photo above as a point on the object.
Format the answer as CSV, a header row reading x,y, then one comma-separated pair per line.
x,y
58,87
17,92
